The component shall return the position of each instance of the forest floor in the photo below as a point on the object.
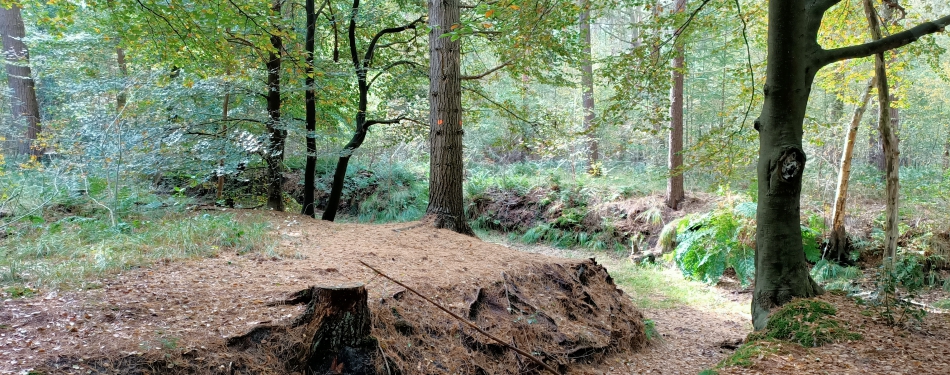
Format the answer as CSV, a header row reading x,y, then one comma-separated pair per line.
x,y
187,305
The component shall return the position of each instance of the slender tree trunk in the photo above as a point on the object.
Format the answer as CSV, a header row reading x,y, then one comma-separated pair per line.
x,y
675,192
838,241
891,153
219,192
278,134
446,167
25,109
336,190
311,115
122,97
587,87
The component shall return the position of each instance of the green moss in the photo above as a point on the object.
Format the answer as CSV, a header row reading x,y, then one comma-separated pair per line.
x,y
808,323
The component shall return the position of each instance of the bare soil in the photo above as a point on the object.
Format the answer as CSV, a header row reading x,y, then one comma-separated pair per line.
x,y
173,317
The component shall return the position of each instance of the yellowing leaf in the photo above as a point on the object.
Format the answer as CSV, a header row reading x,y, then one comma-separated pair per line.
x,y
486,25
455,26
489,13
514,7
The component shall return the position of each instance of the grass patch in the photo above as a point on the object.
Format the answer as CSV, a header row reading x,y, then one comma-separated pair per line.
x,y
744,355
942,304
808,323
660,287
67,252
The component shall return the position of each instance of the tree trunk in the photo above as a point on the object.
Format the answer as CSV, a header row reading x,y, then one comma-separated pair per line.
x,y
25,109
274,156
336,190
587,87
781,272
891,153
446,167
122,97
219,193
674,184
838,241
309,184
794,57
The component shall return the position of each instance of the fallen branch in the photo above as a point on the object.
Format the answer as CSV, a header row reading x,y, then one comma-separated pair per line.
x,y
470,324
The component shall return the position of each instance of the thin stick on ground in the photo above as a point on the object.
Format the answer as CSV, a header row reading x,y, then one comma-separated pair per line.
x,y
470,324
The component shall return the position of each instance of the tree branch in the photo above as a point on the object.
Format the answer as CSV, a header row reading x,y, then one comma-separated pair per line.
x,y
886,44
389,121
490,71
368,58
819,7
390,66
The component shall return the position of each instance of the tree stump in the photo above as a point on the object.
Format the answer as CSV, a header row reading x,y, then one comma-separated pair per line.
x,y
332,336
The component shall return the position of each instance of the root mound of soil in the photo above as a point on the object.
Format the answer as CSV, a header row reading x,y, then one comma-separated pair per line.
x,y
565,312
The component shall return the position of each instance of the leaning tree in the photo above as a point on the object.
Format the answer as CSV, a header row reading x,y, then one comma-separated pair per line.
x,y
794,57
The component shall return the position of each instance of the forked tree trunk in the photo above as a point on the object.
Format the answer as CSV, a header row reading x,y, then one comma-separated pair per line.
x,y
889,142
310,107
675,192
587,87
25,110
274,155
838,240
446,208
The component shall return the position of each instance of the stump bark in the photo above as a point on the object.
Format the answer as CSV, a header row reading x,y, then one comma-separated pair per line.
x,y
332,336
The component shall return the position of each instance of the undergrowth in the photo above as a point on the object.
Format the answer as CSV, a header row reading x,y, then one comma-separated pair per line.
x,y
805,322
706,245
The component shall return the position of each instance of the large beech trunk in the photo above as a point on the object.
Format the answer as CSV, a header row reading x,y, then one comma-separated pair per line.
x,y
675,192
780,269
794,57
446,208
25,109
838,240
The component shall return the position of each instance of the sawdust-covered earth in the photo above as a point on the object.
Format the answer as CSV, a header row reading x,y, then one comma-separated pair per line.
x,y
565,310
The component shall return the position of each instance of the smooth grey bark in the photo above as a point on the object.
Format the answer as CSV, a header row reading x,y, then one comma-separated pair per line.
x,y
587,89
446,208
675,192
838,239
25,111
794,57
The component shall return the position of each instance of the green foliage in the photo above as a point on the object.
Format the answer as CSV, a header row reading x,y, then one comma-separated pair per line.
x,y
833,276
66,250
744,355
894,289
708,244
809,323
